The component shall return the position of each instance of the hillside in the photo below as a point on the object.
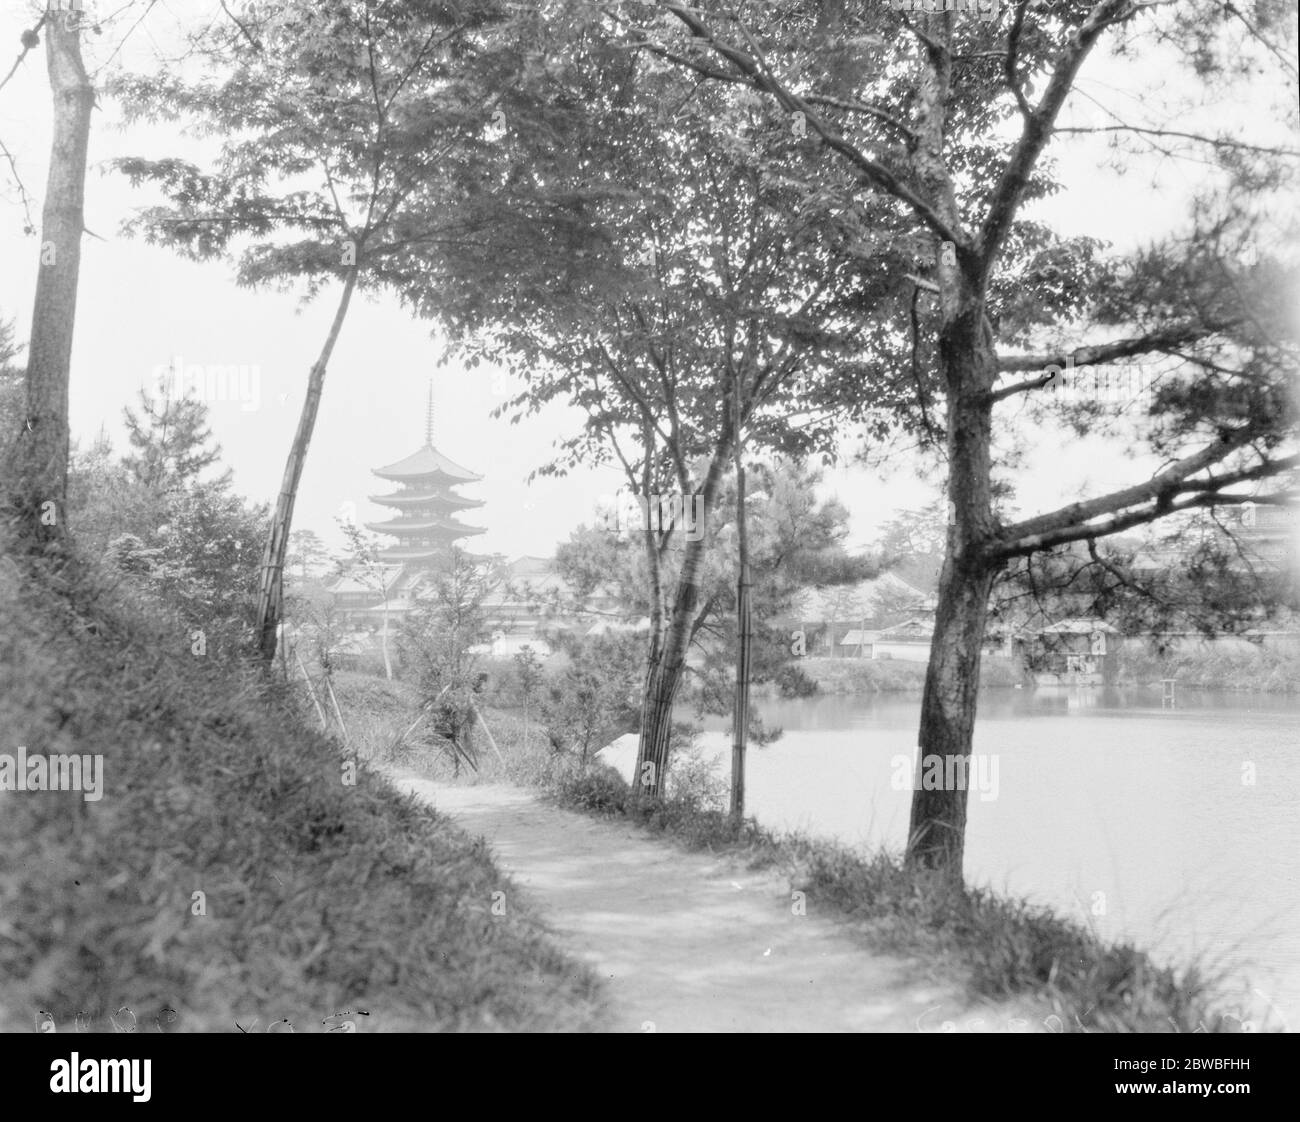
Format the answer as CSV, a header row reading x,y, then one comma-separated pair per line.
x,y
221,874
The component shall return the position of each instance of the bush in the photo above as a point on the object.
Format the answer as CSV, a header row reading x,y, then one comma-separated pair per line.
x,y
793,682
596,788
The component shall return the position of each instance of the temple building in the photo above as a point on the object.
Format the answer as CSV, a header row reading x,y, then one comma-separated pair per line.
x,y
424,524
425,506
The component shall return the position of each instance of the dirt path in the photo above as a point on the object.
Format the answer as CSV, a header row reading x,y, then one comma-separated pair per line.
x,y
688,942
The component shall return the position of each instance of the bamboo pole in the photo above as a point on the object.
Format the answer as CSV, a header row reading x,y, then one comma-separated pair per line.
x,y
324,722
337,713
491,739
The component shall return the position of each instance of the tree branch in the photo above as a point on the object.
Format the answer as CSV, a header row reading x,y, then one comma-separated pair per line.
x,y
871,171
1109,514
1038,128
1161,341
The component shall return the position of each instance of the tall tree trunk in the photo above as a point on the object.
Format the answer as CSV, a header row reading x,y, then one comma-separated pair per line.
x,y
744,639
938,821
744,644
667,664
664,677
936,835
38,472
270,600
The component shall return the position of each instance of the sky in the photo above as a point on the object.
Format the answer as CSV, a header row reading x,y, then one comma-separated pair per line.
x,y
140,307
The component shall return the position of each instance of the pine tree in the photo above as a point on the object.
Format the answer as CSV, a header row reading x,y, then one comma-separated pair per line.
x,y
173,444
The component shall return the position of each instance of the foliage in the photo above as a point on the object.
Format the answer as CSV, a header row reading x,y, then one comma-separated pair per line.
x,y
796,540
308,553
596,694
435,643
172,443
913,544
12,387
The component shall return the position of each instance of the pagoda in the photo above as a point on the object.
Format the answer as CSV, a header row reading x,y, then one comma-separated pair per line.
x,y
424,505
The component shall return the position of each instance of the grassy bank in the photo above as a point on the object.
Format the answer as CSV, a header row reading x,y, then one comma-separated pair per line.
x,y
1257,669
884,675
229,872
1000,947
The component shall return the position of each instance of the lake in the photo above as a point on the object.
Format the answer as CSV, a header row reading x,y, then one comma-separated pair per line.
x,y
1176,828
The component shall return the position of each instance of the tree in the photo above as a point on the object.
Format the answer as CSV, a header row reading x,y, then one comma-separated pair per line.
x,y
913,544
347,120
208,560
308,552
594,697
173,445
106,500
37,475
909,105
361,562
436,641
673,299
795,540
529,674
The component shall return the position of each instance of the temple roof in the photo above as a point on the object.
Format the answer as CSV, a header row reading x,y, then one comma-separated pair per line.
x,y
414,553
425,498
399,526
428,461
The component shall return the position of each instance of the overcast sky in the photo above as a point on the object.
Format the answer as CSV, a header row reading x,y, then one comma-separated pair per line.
x,y
141,306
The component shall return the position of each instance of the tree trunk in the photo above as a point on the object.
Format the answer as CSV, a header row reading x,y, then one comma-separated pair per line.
x,y
383,645
664,678
668,662
270,600
936,835
744,640
39,466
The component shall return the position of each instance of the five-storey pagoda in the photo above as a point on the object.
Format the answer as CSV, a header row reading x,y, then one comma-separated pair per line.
x,y
425,503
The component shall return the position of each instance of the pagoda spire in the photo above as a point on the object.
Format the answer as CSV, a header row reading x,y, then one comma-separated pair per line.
x,y
428,424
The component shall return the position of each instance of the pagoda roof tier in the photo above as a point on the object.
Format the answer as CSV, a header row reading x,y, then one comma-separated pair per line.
x,y
427,463
422,498
414,554
399,526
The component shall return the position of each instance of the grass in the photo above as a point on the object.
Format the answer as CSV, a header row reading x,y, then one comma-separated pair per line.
x,y
229,873
1196,667
889,675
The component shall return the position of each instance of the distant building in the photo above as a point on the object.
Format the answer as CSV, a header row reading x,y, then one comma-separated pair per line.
x,y
843,621
424,524
908,641
1073,652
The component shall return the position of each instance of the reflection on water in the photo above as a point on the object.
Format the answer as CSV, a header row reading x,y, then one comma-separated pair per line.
x,y
1176,828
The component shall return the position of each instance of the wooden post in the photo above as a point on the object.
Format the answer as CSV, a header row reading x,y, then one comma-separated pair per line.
x,y
491,739
337,713
324,722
